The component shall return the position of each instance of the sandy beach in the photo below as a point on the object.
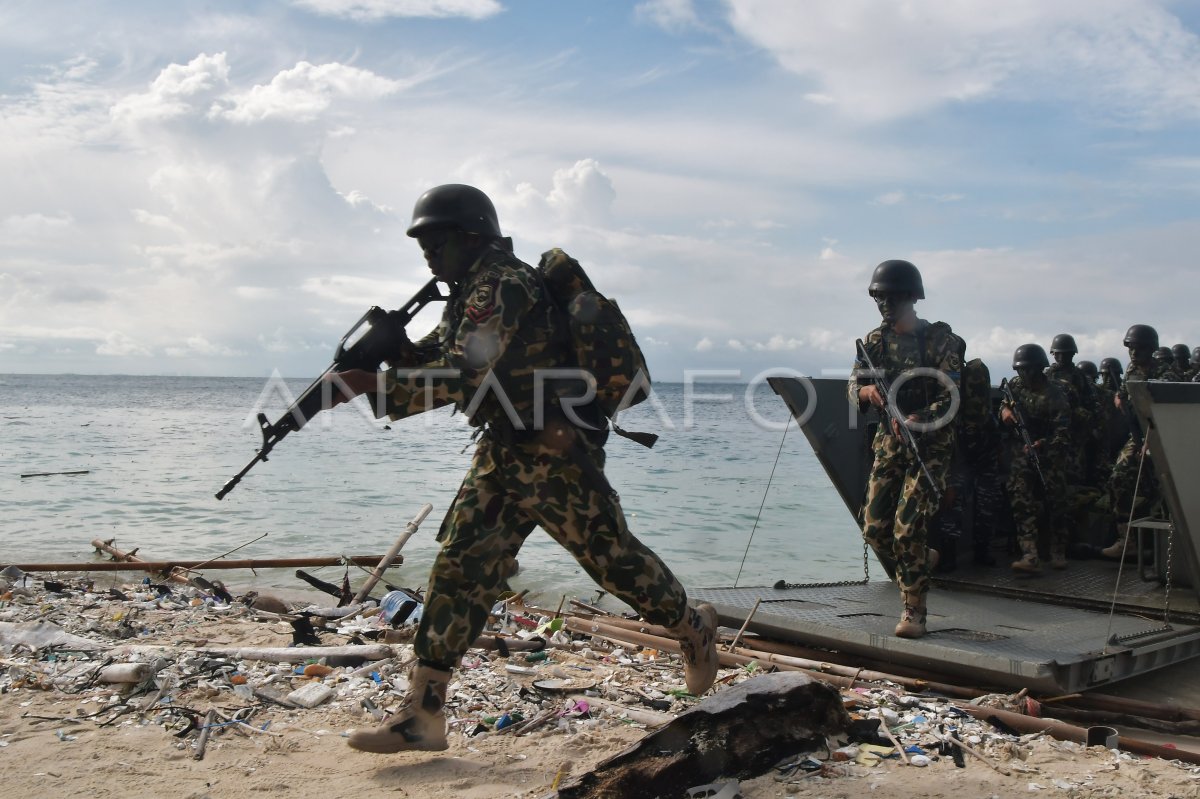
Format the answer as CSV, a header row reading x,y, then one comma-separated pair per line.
x,y
63,732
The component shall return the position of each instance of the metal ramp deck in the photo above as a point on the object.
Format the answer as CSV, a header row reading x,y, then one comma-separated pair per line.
x,y
989,640
1052,633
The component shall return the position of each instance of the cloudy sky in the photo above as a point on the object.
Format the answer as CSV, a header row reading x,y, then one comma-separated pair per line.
x,y
221,188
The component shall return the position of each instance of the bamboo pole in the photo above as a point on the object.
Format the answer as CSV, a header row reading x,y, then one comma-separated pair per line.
x,y
393,553
129,557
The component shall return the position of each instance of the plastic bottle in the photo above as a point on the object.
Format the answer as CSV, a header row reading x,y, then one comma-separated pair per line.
x,y
393,605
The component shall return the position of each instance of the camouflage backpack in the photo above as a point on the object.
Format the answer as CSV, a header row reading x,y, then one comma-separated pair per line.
x,y
600,336
975,411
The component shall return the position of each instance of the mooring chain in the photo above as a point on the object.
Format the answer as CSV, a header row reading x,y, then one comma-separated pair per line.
x,y
782,585
1167,594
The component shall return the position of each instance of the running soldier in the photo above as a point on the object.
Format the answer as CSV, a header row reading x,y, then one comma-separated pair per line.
x,y
1133,487
901,501
497,334
1038,492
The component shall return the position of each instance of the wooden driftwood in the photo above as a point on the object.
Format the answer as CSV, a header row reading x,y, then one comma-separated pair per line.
x,y
739,732
137,564
295,654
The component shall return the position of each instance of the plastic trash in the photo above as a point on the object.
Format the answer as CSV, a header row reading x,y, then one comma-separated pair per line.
x,y
310,695
397,607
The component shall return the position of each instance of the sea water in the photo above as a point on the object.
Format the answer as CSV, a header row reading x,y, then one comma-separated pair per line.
x,y
727,496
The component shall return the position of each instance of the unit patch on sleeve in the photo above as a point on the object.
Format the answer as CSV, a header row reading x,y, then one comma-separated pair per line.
x,y
482,302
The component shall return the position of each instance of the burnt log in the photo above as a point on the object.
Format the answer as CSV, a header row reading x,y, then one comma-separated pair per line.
x,y
738,733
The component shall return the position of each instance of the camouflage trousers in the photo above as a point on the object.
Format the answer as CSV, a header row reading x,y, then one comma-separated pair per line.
x,y
508,491
900,504
1124,481
1034,505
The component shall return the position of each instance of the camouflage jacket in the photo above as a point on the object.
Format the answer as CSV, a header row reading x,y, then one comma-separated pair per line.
x,y
1047,414
1081,395
930,345
497,332
1155,371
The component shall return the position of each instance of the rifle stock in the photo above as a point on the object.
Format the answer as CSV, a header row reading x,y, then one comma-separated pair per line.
x,y
377,337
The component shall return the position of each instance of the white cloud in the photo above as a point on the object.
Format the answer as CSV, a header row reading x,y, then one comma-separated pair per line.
x,y
304,92
890,198
121,345
31,227
199,345
356,290
583,193
704,345
178,90
877,61
670,15
736,345
778,343
375,10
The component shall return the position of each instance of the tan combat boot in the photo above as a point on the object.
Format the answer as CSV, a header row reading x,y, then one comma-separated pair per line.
x,y
912,620
697,635
420,723
1029,564
1119,548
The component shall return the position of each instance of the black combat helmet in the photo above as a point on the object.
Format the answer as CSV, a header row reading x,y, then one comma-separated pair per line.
x,y
1089,370
1111,366
1064,342
1181,352
1196,355
1030,356
897,277
1163,355
1141,336
457,206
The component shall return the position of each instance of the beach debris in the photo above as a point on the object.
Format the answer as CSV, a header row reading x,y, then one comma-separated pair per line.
x,y
536,674
55,474
741,732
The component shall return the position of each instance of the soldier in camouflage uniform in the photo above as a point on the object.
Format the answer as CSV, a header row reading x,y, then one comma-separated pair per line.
x,y
1196,365
1041,405
1184,366
1082,399
900,500
539,462
1100,454
1133,487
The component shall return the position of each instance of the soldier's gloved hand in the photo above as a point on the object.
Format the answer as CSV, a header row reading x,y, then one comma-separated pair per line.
x,y
871,394
352,382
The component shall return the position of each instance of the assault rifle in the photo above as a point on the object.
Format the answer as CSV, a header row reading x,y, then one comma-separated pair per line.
x,y
377,337
1023,431
892,414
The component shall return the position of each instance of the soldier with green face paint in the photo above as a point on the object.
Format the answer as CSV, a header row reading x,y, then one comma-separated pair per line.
x,y
922,363
539,462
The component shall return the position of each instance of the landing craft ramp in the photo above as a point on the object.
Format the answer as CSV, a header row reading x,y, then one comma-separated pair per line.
x,y
1062,632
